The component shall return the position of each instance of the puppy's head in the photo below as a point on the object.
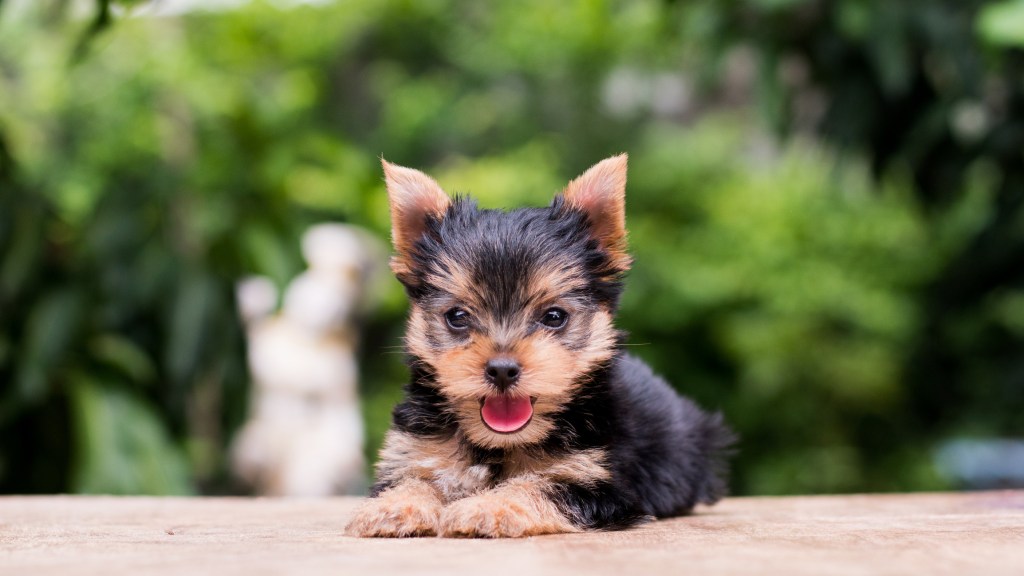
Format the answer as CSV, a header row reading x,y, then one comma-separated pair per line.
x,y
510,310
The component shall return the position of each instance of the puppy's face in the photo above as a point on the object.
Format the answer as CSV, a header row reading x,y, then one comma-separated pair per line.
x,y
510,310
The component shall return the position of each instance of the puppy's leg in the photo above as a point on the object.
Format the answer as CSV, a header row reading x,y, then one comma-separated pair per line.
x,y
518,507
598,506
409,508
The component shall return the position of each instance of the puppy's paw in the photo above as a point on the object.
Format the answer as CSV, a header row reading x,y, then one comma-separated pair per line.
x,y
502,514
396,514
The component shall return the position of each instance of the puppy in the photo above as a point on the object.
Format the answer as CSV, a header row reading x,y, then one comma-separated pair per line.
x,y
523,416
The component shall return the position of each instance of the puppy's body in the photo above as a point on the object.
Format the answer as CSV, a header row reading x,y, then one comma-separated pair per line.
x,y
645,451
522,415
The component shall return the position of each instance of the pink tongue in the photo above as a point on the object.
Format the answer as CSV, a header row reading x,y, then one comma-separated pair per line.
x,y
506,413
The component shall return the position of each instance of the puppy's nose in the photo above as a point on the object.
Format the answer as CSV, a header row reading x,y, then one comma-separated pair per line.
x,y
502,372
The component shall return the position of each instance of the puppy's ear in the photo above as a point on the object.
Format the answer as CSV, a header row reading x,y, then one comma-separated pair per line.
x,y
414,198
600,193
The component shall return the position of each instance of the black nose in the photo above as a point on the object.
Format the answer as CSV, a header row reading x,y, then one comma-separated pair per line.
x,y
502,372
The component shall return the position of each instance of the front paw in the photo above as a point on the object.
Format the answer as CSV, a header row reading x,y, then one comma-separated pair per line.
x,y
395,517
502,515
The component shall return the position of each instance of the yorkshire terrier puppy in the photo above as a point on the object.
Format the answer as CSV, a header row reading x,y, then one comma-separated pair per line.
x,y
523,416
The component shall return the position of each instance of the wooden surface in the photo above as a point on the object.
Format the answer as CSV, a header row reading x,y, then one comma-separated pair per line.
x,y
976,533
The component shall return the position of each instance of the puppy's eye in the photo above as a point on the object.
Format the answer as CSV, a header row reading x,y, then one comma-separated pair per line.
x,y
554,318
457,319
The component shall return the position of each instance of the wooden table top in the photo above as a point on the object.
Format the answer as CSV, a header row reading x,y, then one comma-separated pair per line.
x,y
967,533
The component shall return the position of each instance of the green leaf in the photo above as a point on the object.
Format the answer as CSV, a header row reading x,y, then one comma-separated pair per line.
x,y
51,328
121,446
20,257
1002,23
125,355
194,303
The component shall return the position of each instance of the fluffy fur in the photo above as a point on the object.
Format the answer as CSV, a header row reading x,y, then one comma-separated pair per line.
x,y
608,444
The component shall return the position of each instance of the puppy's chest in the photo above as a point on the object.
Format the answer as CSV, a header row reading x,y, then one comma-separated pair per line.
x,y
457,470
467,472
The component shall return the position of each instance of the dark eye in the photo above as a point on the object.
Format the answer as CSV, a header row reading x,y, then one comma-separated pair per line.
x,y
457,319
554,318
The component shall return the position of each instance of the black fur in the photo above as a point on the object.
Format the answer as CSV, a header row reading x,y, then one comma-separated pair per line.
x,y
665,455
501,247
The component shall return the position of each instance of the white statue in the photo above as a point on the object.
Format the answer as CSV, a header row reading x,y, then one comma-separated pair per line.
x,y
305,436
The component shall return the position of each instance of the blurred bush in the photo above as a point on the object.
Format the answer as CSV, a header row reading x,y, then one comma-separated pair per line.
x,y
845,284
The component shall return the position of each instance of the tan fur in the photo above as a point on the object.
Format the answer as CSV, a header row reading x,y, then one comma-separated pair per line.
x,y
446,465
548,283
452,278
442,463
585,468
601,193
413,197
551,374
411,508
438,490
516,508
416,332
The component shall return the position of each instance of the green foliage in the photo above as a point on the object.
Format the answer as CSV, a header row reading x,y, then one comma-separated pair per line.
x,y
934,90
1002,23
784,293
120,445
820,295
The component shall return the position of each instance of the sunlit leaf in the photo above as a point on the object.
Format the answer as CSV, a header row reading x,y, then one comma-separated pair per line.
x,y
122,447
1002,23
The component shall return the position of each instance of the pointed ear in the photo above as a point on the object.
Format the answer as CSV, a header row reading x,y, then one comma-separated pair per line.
x,y
600,193
414,198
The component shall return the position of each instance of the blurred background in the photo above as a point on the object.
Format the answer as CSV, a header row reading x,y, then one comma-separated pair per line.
x,y
826,206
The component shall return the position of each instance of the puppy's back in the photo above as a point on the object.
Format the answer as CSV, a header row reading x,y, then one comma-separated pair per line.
x,y
669,451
